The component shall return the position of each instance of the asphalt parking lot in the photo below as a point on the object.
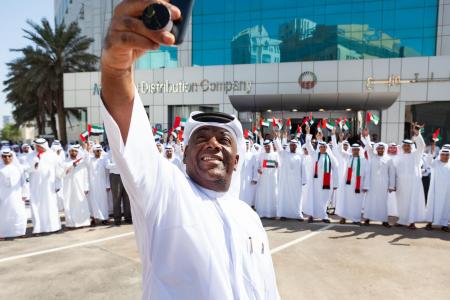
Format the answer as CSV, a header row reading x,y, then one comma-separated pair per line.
x,y
321,261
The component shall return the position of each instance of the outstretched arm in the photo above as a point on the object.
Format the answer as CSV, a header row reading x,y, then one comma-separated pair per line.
x,y
420,143
127,39
308,139
365,139
143,172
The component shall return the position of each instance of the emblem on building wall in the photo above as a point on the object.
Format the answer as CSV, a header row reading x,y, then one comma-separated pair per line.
x,y
307,80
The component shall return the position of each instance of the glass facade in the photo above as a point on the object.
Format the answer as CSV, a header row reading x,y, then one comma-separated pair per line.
x,y
165,57
434,115
267,31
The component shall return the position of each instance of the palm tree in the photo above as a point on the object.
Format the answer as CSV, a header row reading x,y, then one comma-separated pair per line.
x,y
35,80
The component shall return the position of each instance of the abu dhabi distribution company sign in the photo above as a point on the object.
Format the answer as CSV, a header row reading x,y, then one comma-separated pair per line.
x,y
167,87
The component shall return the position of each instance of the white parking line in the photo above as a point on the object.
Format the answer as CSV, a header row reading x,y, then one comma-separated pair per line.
x,y
31,254
300,239
11,258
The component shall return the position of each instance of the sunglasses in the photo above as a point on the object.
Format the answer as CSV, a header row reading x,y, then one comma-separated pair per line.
x,y
5,156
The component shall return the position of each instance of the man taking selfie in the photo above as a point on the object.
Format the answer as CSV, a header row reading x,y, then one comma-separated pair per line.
x,y
196,239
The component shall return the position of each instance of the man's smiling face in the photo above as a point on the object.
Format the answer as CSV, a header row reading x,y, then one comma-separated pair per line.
x,y
211,157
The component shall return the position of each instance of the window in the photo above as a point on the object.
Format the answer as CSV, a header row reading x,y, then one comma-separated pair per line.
x,y
267,31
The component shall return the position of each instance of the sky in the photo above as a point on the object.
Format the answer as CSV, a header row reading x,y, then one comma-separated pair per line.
x,y
13,17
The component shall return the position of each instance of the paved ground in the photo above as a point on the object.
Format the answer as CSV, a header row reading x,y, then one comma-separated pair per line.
x,y
315,261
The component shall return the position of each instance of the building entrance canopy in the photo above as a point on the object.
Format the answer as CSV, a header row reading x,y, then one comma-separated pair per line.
x,y
314,102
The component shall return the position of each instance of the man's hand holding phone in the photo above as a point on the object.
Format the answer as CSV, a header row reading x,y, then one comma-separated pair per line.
x,y
128,39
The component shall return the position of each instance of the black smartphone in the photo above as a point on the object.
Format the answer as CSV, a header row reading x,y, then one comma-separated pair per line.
x,y
157,17
180,26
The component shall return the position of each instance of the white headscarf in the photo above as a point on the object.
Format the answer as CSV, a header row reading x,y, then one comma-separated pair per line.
x,y
231,124
42,143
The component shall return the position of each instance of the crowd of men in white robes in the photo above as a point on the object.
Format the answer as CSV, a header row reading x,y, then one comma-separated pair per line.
x,y
76,183
279,178
361,182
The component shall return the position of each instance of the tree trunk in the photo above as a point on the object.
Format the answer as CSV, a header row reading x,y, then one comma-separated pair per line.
x,y
61,116
41,117
53,125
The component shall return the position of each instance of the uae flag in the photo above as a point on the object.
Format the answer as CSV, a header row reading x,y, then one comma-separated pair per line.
x,y
95,130
255,131
264,123
330,125
177,122
248,134
270,164
299,131
370,117
311,120
437,135
288,124
346,125
84,136
338,122
183,122
157,132
173,132
304,121
180,135
277,123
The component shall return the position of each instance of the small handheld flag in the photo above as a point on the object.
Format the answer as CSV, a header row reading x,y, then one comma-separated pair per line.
x,y
330,126
264,123
84,136
268,164
177,122
299,131
183,122
311,120
437,135
372,118
95,130
277,123
346,125
288,124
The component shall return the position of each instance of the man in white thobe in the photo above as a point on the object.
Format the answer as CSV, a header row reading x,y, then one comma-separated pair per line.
x,y
392,152
381,183
248,185
292,178
13,216
433,149
99,186
61,157
325,178
438,206
196,240
266,176
43,171
356,179
169,154
76,189
410,194
26,159
308,162
159,146
339,148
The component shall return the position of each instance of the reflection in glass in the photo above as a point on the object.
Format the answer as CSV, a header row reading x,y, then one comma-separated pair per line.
x,y
267,31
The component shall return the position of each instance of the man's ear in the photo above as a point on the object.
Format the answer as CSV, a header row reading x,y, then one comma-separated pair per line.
x,y
184,153
236,161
